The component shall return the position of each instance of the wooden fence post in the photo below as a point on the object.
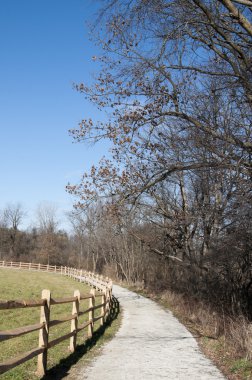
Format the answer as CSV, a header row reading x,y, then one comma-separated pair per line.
x,y
91,314
74,322
110,297
107,304
103,309
44,332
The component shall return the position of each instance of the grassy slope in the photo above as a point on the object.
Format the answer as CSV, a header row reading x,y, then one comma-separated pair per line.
x,y
15,284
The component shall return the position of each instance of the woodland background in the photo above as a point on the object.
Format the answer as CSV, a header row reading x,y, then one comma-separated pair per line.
x,y
169,207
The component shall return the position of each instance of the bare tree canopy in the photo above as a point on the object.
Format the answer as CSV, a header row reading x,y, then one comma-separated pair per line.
x,y
47,217
177,83
13,215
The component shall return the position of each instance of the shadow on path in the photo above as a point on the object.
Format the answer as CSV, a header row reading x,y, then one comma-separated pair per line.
x,y
61,370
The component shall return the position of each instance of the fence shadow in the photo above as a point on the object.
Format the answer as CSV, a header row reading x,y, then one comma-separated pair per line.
x,y
61,370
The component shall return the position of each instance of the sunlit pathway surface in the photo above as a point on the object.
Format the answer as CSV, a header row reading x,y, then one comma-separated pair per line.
x,y
150,344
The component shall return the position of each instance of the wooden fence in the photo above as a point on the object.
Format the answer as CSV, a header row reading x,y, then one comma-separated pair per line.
x,y
103,294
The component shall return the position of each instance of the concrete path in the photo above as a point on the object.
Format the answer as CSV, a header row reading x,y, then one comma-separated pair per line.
x,y
150,344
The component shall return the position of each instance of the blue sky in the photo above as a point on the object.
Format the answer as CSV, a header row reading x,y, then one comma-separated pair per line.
x,y
44,48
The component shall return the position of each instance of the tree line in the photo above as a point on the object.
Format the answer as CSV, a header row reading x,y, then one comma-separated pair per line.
x,y
42,242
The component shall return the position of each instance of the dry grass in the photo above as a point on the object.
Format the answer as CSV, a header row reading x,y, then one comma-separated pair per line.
x,y
240,332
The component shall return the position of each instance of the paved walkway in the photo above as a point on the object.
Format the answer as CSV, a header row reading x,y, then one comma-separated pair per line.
x,y
150,344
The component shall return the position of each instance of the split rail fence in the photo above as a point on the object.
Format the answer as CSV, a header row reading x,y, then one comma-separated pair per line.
x,y
101,290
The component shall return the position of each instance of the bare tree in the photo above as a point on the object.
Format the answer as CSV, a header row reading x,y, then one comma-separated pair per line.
x,y
166,83
46,217
176,82
12,217
77,221
47,248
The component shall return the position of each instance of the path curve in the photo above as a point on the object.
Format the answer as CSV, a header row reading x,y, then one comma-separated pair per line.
x,y
150,344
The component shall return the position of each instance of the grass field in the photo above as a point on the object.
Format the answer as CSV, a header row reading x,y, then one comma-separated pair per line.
x,y
18,285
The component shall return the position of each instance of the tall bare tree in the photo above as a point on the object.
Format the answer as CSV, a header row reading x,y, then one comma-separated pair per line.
x,y
12,217
47,248
176,82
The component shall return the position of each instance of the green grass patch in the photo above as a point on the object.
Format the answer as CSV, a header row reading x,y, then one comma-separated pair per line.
x,y
20,285
243,367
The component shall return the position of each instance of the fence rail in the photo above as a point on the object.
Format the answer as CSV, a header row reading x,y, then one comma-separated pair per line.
x,y
104,295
